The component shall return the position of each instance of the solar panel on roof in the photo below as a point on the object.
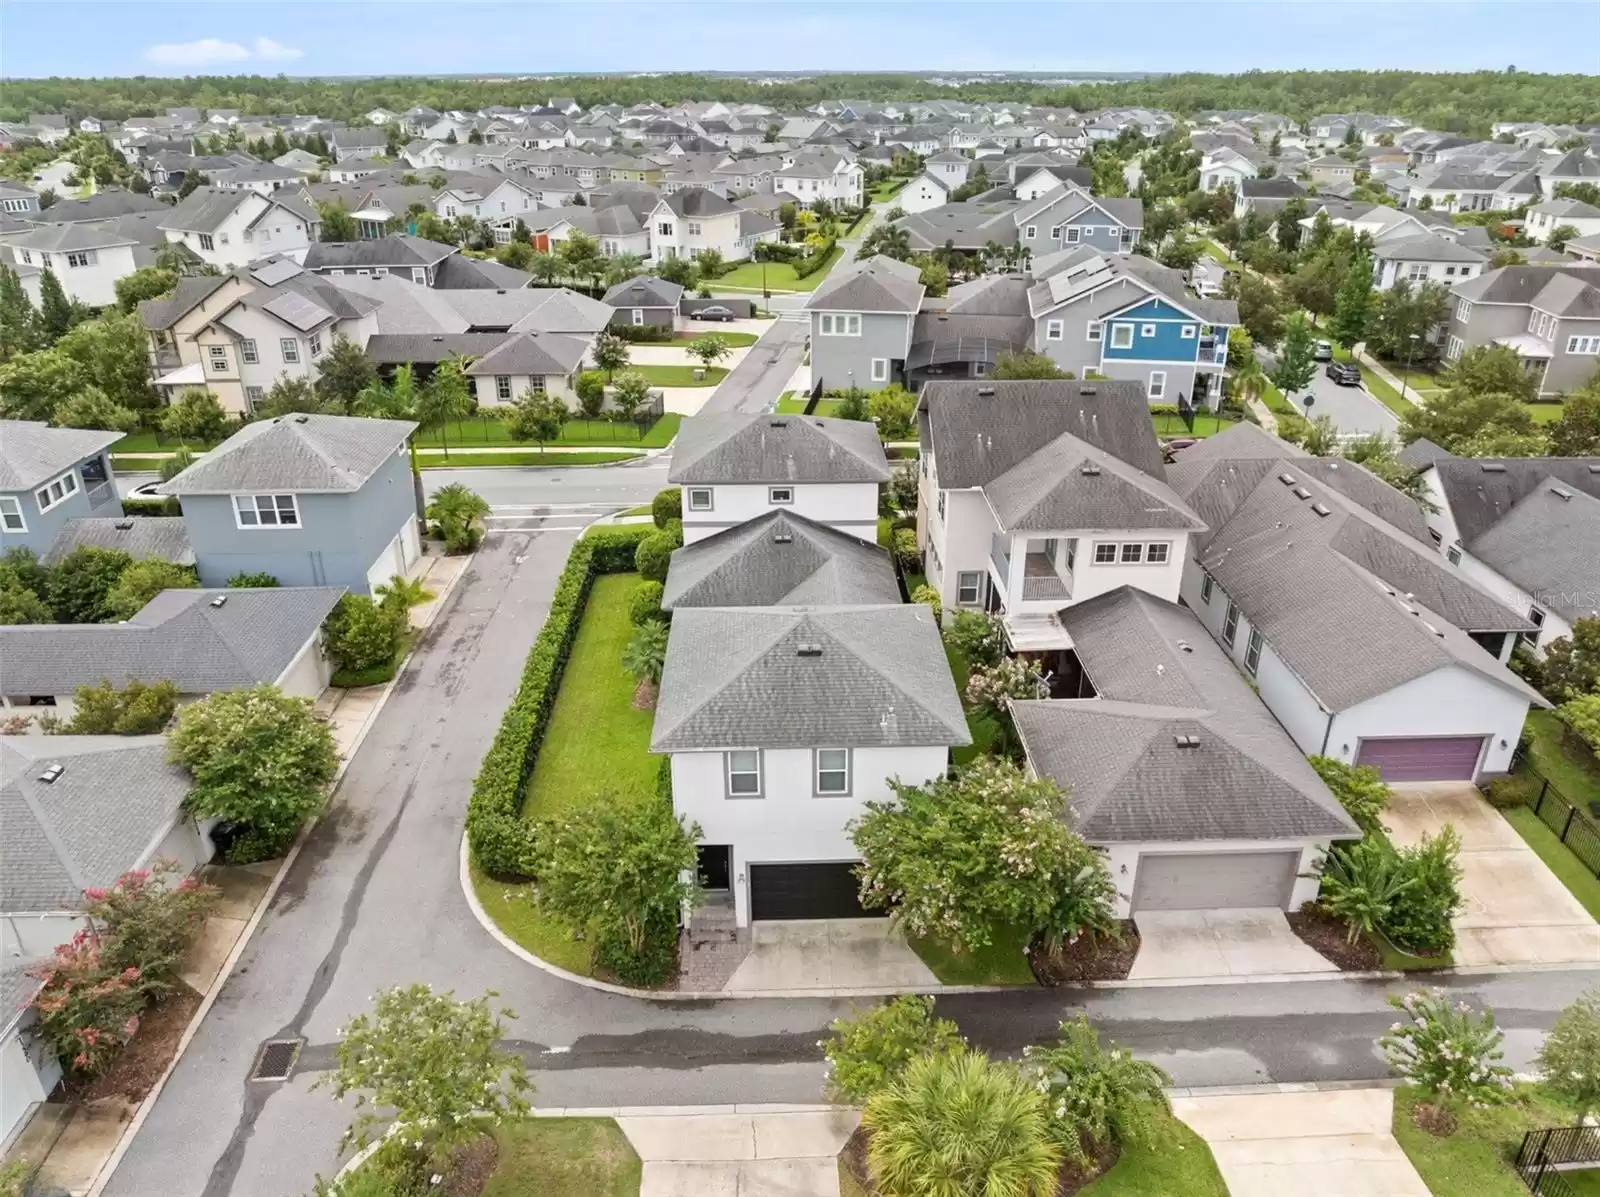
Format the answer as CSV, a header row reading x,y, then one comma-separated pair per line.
x,y
295,309
273,273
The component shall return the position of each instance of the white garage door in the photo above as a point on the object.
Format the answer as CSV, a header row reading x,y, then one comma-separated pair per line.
x,y
389,563
1214,881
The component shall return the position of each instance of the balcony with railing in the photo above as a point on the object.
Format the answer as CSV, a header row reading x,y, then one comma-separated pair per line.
x,y
1040,580
165,358
100,494
1213,351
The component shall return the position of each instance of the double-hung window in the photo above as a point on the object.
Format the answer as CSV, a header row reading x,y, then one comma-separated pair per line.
x,y
81,258
11,514
840,324
266,511
1158,384
699,498
1093,332
638,315
1252,652
315,341
248,353
1055,232
1132,553
1074,235
219,357
1122,336
1583,344
1031,232
832,772
744,772
1105,554
1053,330
969,588
1157,552
290,348
206,242
1207,585
880,369
1536,618
56,491
1230,624
502,387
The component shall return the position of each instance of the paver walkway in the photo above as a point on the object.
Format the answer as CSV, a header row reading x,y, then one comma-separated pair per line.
x,y
782,1153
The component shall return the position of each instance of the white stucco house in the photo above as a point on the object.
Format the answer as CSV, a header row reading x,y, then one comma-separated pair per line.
x,y
923,192
693,219
231,228
87,259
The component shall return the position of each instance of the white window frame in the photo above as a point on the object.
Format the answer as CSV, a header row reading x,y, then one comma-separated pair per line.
x,y
1230,624
962,586
1208,585
248,353
1252,652
314,343
773,493
1453,554
1157,552
217,358
880,369
1158,390
1583,345
1030,232
289,348
274,505
729,773
691,503
1105,552
1463,309
817,771
1074,235
1118,341
1187,332
419,276
638,316
502,387
81,257
1055,232
1054,330
1147,330
206,242
1131,553
253,396
12,518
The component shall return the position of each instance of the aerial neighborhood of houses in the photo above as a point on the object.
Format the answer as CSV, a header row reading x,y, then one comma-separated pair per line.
x,y
1058,465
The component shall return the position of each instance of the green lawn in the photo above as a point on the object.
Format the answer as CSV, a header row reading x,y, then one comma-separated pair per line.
x,y
681,376
433,460
780,275
644,510
881,192
1205,424
486,430
1568,769
1476,1160
734,340
1217,253
512,908
597,742
564,1155
1544,413
1275,401
146,441
135,464
1381,391
1583,1184
983,729
1569,870
795,405
1176,1162
1001,963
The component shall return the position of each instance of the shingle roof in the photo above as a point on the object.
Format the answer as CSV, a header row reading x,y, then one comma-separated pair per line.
x,y
1481,492
1571,289
1159,678
769,448
253,637
780,558
735,677
114,801
397,250
644,291
295,453
533,353
31,453
697,201
1422,453
395,349
165,537
875,284
99,206
205,209
60,238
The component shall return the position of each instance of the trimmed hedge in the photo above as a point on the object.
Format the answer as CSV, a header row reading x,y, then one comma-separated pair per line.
x,y
501,841
168,506
643,333
814,261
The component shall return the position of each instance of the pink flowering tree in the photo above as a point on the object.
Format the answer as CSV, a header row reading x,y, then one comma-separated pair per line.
x,y
956,858
86,1009
148,917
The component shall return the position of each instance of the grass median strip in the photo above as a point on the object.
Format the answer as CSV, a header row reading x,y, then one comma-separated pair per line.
x,y
681,376
1476,1160
436,460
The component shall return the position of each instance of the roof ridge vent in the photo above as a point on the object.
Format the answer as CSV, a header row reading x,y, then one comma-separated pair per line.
x,y
1492,467
985,392
1561,492
1301,492
1186,741
1321,509
808,650
1287,479
51,772
220,600
782,538
1090,469
123,525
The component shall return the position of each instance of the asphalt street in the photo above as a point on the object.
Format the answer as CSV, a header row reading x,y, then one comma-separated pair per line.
x,y
1353,409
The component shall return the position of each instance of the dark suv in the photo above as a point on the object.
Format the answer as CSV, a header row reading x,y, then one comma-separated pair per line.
x,y
1346,374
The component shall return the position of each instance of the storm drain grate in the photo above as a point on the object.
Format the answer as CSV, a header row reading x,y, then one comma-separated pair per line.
x,y
276,1060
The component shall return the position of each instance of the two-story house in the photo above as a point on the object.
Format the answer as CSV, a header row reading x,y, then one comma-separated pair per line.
x,y
1544,219
1068,217
1126,316
735,467
313,500
87,259
1550,315
357,143
781,723
49,476
231,228
1324,587
948,167
1525,530
1420,256
16,200
828,176
1037,495
688,221
862,317
1330,170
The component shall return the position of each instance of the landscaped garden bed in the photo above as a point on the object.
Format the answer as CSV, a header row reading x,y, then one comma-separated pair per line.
x,y
1329,936
1476,1159
1089,958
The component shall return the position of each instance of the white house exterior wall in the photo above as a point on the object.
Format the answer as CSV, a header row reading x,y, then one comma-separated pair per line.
x,y
850,507
1452,701
28,1072
558,385
1123,861
788,825
94,284
921,194
309,673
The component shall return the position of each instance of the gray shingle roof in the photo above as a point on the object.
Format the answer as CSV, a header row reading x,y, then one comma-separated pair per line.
x,y
112,804
770,448
17,989
697,201
875,284
178,636
734,677
99,206
31,453
533,353
399,250
295,453
781,558
1571,289
1547,544
393,349
205,209
142,537
1481,492
645,291
1159,676
1069,483
60,238
1422,453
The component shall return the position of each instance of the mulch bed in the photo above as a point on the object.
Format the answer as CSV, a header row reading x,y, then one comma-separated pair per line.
x,y
141,1063
1330,938
1438,1122
1073,1178
1088,959
471,1166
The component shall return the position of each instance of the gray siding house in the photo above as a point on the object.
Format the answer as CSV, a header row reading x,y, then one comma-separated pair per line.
x,y
49,476
312,500
1549,314
861,323
645,300
1067,217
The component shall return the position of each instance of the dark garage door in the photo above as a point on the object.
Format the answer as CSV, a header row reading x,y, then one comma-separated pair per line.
x,y
805,891
1423,758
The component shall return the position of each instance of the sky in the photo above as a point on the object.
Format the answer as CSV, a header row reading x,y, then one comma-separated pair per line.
x,y
354,37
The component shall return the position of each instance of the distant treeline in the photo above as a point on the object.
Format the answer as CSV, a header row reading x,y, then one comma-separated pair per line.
x,y
1465,103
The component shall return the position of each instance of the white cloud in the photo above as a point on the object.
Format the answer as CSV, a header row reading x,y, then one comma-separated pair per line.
x,y
212,51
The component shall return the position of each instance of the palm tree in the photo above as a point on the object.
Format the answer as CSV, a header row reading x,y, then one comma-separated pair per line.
x,y
458,514
646,654
1249,381
623,267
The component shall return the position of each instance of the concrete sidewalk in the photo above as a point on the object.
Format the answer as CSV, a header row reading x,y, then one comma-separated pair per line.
x,y
1193,944
724,1152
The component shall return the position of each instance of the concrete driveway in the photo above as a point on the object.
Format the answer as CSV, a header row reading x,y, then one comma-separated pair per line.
x,y
1220,943
777,1153
828,954
1335,1144
1516,910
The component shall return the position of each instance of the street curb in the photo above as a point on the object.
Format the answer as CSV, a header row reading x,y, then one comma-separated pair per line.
x,y
136,1123
1267,1088
743,1107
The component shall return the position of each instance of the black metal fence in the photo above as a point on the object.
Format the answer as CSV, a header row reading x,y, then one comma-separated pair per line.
x,y
1544,1153
814,398
1564,817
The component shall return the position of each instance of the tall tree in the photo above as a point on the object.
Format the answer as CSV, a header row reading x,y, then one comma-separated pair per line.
x,y
1260,311
1352,309
18,320
1577,432
337,223
1288,224
148,282
446,398
343,372
1404,318
537,416
57,313
114,353
1296,365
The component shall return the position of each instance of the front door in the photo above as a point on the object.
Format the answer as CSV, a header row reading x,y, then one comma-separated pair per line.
x,y
714,868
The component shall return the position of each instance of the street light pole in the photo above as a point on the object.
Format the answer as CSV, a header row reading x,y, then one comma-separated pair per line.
x,y
1405,373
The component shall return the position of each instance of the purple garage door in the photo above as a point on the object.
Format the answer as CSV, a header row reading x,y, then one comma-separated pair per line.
x,y
1423,758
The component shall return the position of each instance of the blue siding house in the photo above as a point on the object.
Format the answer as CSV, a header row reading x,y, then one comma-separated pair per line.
x,y
49,476
312,500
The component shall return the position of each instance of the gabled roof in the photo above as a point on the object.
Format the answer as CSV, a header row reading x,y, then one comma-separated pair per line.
x,y
644,291
191,291
207,207
738,448
143,537
399,249
100,206
1075,273
697,201
295,453
32,453
804,677
113,802
875,284
179,636
780,558
1566,289
1422,453
533,353
60,238
1125,758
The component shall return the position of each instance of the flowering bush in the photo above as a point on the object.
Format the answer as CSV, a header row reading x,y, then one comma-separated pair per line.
x,y
87,1010
978,636
1096,1095
1445,1050
148,922
1570,1057
989,688
868,1051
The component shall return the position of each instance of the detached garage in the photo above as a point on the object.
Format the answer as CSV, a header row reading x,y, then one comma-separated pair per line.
x,y
807,891
1215,880
1422,758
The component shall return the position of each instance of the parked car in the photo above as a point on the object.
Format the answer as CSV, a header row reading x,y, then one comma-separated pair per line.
x,y
1323,352
1346,374
146,491
713,311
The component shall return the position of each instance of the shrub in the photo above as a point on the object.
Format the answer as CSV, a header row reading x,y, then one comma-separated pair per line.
x,y
930,596
956,1122
894,409
904,488
360,635
904,547
1570,1057
869,1051
501,842
666,506
1361,884
86,1010
853,405
643,332
1512,790
645,606
646,654
456,515
591,391
149,921
1096,1096
653,556
252,581
1359,788
142,709
196,415
1421,924
142,581
1582,715
1572,663
79,586
813,261
141,508
1446,1051
978,636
